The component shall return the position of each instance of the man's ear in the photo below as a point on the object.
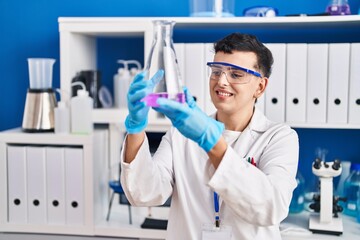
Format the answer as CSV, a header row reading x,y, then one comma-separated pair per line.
x,y
261,87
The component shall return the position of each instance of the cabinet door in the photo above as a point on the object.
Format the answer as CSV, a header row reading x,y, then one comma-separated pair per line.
x,y
74,186
17,190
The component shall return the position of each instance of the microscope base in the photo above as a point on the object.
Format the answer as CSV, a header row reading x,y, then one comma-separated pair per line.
x,y
335,227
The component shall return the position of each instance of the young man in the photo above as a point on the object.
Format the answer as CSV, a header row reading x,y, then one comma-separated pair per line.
x,y
235,169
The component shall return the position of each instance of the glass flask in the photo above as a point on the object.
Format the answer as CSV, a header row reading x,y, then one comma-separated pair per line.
x,y
358,208
338,7
351,190
162,56
297,201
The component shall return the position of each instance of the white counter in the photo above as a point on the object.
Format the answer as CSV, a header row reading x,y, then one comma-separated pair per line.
x,y
296,227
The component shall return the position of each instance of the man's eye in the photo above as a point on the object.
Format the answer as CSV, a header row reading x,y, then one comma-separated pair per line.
x,y
237,75
216,72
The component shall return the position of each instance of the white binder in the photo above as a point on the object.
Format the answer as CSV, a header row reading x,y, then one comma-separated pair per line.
x,y
354,89
36,184
296,69
180,56
338,83
17,189
194,71
55,178
275,92
74,186
209,57
317,76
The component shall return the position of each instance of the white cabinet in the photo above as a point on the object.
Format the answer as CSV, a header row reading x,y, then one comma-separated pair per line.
x,y
87,206
90,171
78,46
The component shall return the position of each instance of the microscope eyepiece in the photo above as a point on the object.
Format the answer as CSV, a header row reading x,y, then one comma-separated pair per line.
x,y
336,165
317,163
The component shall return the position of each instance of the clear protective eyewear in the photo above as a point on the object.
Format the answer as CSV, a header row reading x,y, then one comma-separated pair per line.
x,y
234,74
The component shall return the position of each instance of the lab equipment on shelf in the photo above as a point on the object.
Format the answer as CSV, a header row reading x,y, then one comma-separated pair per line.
x,y
62,115
338,7
260,11
212,8
92,81
162,56
81,111
105,97
351,190
122,80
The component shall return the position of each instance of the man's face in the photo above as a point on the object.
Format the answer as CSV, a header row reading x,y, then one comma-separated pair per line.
x,y
233,98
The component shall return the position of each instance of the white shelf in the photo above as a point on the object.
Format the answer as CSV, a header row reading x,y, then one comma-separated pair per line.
x,y
117,116
18,136
109,115
324,125
91,24
52,229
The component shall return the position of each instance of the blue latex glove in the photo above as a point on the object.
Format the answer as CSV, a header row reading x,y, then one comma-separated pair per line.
x,y
137,119
191,121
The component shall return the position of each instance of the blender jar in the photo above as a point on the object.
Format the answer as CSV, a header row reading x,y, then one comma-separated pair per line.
x,y
40,72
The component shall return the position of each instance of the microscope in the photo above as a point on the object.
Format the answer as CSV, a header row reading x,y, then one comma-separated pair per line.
x,y
327,221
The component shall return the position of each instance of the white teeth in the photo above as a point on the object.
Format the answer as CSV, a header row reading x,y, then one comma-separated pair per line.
x,y
224,94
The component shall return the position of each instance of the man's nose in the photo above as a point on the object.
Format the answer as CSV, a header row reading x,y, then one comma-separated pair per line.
x,y
223,79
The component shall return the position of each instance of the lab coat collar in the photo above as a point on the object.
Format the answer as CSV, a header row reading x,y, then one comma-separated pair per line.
x,y
258,124
258,121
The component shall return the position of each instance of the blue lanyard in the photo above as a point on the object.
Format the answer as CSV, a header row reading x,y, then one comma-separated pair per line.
x,y
216,206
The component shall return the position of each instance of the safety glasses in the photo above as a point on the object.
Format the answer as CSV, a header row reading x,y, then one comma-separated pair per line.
x,y
234,74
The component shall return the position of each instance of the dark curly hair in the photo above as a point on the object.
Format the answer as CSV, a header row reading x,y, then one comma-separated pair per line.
x,y
247,43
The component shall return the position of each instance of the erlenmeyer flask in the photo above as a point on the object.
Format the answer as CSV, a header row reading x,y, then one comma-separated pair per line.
x,y
162,56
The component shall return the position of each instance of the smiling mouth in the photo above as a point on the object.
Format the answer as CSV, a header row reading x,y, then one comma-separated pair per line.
x,y
223,94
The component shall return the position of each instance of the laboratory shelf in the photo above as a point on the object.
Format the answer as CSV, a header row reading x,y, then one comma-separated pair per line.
x,y
104,25
16,135
118,116
78,49
109,115
325,125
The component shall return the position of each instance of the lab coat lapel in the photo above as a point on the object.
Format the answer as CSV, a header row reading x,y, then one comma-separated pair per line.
x,y
244,142
257,125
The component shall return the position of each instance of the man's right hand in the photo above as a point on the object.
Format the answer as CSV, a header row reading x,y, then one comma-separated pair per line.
x,y
137,119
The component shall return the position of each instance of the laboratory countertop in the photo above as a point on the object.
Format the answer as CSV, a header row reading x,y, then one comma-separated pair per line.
x,y
296,227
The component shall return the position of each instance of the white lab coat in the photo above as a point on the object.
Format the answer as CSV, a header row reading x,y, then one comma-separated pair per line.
x,y
254,200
